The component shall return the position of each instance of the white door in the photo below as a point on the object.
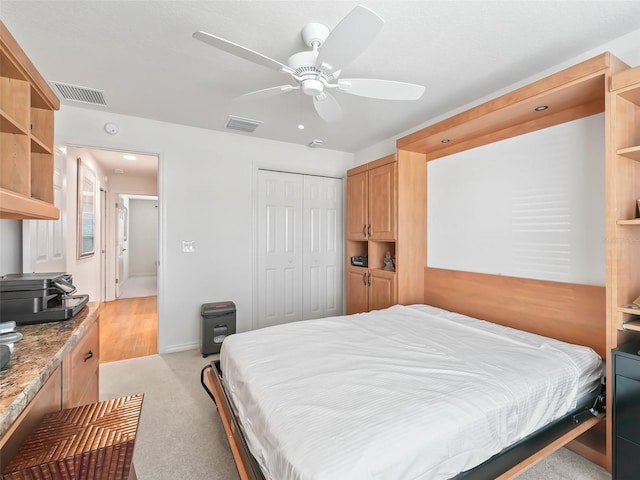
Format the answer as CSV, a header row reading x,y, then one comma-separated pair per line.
x,y
280,202
299,248
322,261
121,247
44,241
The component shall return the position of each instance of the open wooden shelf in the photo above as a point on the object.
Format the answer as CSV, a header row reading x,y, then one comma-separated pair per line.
x,y
631,152
632,325
633,221
27,104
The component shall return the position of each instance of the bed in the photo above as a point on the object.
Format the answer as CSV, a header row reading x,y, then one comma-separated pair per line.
x,y
411,392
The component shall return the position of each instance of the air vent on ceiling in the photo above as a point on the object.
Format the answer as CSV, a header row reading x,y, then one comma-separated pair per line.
x,y
75,93
242,124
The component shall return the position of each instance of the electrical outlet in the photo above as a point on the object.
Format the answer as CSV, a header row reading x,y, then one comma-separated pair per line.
x,y
188,246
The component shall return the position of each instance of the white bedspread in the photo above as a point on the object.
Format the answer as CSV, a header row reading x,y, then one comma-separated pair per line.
x,y
403,393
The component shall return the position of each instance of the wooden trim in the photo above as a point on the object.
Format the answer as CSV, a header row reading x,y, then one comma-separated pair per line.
x,y
371,165
567,90
549,449
568,312
13,205
241,454
626,78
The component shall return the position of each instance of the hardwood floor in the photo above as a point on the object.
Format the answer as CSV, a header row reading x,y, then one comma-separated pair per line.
x,y
129,329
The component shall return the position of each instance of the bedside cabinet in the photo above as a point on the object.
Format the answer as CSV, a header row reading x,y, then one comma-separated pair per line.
x,y
626,412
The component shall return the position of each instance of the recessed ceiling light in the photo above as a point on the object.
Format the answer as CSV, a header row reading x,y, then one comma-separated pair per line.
x,y
129,157
541,108
300,127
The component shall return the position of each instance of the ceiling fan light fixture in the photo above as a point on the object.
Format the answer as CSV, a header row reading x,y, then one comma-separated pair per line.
x,y
312,87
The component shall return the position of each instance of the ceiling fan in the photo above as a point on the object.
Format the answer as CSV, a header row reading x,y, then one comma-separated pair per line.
x,y
317,71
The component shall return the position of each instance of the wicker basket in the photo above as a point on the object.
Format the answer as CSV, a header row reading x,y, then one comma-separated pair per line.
x,y
92,442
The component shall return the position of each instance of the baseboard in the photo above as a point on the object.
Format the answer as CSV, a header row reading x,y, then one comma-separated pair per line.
x,y
179,348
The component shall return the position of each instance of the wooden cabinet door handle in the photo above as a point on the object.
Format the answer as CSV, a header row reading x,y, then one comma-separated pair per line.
x,y
364,230
364,278
88,355
369,278
369,230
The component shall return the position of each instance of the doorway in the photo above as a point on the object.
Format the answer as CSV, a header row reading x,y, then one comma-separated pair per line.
x,y
129,320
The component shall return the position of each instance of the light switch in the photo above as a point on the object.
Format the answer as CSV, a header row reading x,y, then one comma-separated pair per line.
x,y
188,246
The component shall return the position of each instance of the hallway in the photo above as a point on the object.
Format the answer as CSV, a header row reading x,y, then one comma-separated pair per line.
x,y
129,328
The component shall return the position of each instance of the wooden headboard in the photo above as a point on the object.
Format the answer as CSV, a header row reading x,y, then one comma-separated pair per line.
x,y
566,311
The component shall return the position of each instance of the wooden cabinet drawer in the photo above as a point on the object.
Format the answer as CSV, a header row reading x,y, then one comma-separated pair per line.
x,y
80,370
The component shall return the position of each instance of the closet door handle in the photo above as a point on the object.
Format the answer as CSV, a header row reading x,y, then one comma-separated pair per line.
x,y
364,230
88,355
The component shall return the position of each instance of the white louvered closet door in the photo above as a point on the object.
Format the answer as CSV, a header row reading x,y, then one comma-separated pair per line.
x,y
299,248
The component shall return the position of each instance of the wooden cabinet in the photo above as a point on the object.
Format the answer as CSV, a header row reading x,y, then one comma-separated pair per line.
x,y
72,383
369,289
371,201
80,370
27,106
386,212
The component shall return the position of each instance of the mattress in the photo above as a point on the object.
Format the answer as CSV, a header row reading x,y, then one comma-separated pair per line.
x,y
411,392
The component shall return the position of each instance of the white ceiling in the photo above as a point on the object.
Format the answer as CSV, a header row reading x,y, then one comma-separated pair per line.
x,y
142,55
114,162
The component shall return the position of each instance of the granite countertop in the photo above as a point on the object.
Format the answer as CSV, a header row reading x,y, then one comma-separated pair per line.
x,y
34,359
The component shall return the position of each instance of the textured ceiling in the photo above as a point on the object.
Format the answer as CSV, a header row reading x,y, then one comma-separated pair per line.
x,y
142,55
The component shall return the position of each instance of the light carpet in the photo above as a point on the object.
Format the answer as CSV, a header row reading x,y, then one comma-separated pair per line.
x,y
181,436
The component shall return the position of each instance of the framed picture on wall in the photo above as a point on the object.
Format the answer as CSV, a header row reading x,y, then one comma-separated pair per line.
x,y
86,210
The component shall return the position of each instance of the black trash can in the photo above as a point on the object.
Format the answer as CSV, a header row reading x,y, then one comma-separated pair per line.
x,y
218,322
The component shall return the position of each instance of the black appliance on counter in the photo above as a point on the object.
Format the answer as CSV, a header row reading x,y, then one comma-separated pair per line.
x,y
28,298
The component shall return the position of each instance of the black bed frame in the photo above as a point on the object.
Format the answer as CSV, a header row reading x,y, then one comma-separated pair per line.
x,y
490,469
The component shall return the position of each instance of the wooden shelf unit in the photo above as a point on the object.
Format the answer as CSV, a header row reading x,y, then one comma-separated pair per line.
x,y
573,93
623,184
27,106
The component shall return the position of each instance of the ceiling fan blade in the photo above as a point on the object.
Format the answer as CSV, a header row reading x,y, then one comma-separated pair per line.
x,y
240,51
327,107
266,92
349,39
382,89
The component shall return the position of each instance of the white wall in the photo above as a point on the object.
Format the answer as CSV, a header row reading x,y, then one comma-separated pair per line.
x,y
143,237
206,196
531,206
10,246
86,270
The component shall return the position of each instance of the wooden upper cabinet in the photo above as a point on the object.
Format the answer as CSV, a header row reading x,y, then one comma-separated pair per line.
x,y
382,203
27,106
357,213
372,201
